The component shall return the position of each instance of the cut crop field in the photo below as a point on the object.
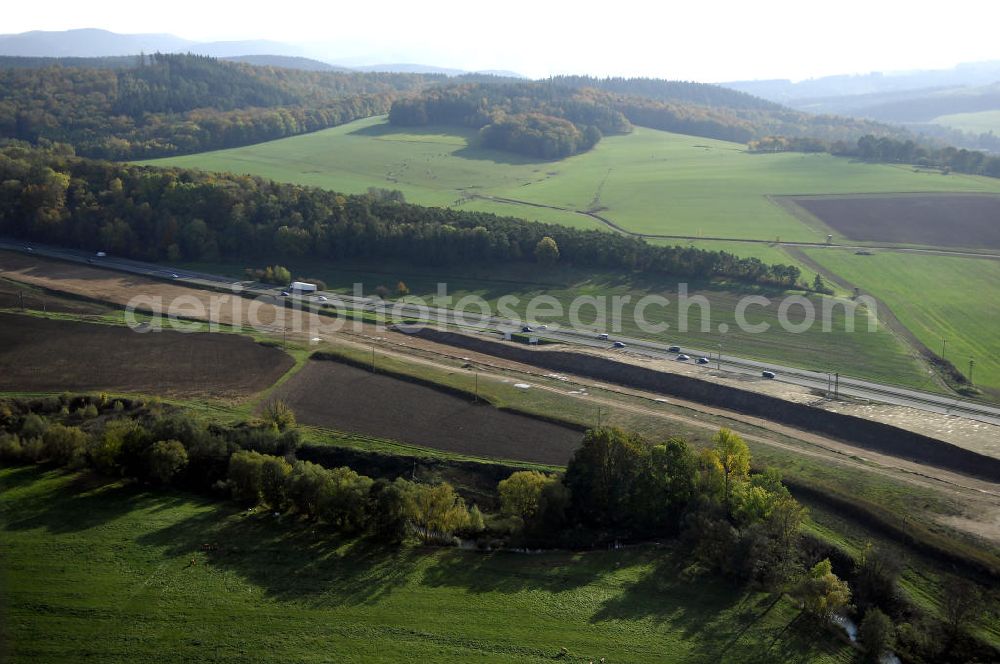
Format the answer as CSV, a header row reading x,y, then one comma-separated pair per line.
x,y
49,355
936,298
342,397
937,220
648,181
170,577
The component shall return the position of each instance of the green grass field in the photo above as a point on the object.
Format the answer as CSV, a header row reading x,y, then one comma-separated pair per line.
x,y
112,573
936,297
647,181
978,123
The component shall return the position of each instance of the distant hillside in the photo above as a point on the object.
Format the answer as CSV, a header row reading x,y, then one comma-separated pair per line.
x,y
410,68
566,115
176,104
286,62
912,99
703,94
95,43
911,105
787,92
89,43
106,62
537,119
413,68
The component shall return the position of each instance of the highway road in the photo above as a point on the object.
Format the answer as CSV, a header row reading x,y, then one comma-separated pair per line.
x,y
848,386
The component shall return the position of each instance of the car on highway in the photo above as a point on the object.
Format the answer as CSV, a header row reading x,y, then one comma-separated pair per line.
x,y
683,358
767,374
674,349
284,293
543,327
28,249
321,298
603,336
702,360
527,328
174,275
101,254
619,344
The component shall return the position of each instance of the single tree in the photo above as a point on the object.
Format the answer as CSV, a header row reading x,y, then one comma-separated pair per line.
x,y
437,511
166,459
274,474
547,251
822,592
961,604
387,509
520,494
877,633
279,415
734,457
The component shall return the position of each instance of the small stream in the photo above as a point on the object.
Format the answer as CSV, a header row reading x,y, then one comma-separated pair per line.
x,y
851,628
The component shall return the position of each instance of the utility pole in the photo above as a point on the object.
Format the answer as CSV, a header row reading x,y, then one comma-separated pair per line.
x,y
477,387
598,417
972,363
718,362
373,358
836,386
944,345
20,295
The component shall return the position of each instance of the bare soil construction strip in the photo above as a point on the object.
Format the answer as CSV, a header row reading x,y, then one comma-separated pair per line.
x,y
46,355
335,395
867,434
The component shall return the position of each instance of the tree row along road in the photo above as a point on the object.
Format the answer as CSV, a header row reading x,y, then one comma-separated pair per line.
x,y
475,322
656,236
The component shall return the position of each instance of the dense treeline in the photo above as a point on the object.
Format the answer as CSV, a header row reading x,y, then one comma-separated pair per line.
x,y
724,518
164,105
888,150
540,120
608,106
173,214
539,136
744,124
98,62
702,94
171,104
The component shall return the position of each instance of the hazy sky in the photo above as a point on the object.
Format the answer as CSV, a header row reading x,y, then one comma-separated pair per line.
x,y
708,41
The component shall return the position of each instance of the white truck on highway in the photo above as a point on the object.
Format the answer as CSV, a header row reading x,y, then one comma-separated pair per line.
x,y
301,287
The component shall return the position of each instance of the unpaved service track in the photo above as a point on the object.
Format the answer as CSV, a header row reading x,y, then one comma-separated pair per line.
x,y
47,355
339,396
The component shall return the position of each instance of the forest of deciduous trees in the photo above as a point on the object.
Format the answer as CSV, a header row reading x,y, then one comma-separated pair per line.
x,y
174,214
539,120
166,105
525,114
175,104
